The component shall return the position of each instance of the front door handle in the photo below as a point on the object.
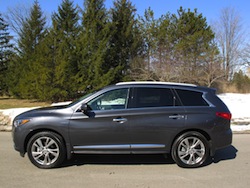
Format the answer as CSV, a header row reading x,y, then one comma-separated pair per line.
x,y
176,116
120,120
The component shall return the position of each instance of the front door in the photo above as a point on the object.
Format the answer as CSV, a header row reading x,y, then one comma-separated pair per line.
x,y
104,127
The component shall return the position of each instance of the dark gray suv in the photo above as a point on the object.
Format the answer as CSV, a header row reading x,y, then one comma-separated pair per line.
x,y
187,121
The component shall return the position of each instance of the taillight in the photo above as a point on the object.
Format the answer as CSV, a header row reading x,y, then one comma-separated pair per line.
x,y
225,115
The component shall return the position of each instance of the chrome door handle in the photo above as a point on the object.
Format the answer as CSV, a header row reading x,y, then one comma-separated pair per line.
x,y
120,120
176,117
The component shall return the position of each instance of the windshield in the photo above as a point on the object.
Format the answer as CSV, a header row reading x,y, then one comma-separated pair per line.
x,y
80,99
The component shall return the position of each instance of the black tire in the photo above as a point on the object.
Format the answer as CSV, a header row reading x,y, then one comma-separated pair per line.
x,y
46,150
190,150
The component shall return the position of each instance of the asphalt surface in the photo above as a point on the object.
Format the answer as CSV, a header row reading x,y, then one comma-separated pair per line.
x,y
230,168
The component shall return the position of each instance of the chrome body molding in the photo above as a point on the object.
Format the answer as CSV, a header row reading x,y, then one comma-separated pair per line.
x,y
101,147
125,146
120,149
147,146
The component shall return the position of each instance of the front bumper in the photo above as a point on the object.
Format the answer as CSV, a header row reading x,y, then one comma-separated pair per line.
x,y
18,136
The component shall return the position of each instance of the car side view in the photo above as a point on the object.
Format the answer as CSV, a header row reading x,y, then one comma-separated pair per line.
x,y
188,122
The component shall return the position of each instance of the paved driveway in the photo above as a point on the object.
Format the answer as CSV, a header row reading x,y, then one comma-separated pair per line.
x,y
231,168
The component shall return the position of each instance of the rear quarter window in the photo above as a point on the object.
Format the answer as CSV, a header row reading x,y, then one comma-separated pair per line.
x,y
191,98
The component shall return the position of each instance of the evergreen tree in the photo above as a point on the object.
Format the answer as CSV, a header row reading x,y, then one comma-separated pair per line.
x,y
193,40
156,42
241,82
148,26
179,48
32,34
32,31
66,32
125,40
92,47
45,69
5,54
164,53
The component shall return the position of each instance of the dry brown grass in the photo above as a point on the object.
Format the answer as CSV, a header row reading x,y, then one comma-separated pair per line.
x,y
6,102
232,88
226,88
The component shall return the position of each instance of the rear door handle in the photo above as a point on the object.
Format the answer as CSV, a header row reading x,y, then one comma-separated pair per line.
x,y
176,116
120,120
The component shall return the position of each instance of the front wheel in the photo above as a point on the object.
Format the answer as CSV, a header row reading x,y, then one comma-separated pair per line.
x,y
190,150
46,150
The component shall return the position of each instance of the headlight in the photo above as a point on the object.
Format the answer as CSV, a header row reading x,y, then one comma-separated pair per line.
x,y
20,122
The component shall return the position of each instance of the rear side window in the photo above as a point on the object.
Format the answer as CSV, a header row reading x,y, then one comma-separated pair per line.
x,y
153,97
191,98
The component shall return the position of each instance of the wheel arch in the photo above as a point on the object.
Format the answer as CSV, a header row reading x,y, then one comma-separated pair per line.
x,y
204,133
32,133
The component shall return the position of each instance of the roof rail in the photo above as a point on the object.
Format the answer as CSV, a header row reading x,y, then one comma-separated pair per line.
x,y
156,82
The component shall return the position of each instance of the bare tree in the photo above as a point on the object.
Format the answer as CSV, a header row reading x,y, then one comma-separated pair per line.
x,y
230,38
16,17
246,55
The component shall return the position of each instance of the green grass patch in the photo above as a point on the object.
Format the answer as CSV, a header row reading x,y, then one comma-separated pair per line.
x,y
6,103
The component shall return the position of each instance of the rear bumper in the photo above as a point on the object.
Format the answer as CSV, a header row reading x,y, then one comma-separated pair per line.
x,y
221,140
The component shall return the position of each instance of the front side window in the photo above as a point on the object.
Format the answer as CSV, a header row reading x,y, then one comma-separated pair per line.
x,y
111,100
153,97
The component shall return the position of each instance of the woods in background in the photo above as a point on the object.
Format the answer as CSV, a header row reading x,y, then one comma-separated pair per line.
x,y
84,50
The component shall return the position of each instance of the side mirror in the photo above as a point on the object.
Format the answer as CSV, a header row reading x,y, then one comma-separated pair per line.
x,y
84,108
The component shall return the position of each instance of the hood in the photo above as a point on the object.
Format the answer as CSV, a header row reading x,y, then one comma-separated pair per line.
x,y
40,112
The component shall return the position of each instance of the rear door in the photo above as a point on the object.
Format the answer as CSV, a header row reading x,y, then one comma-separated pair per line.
x,y
200,112
156,115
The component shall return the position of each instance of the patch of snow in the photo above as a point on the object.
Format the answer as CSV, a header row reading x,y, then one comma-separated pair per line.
x,y
61,103
13,112
240,128
238,105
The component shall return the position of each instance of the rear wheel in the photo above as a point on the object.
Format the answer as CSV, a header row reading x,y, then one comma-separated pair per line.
x,y
190,150
46,150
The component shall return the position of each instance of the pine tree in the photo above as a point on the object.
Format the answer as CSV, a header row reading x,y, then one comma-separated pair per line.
x,y
149,27
193,39
66,32
241,82
92,47
45,69
5,54
32,31
125,40
31,35
179,48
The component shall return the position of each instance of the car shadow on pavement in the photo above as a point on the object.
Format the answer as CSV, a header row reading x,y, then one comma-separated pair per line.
x,y
117,159
227,153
